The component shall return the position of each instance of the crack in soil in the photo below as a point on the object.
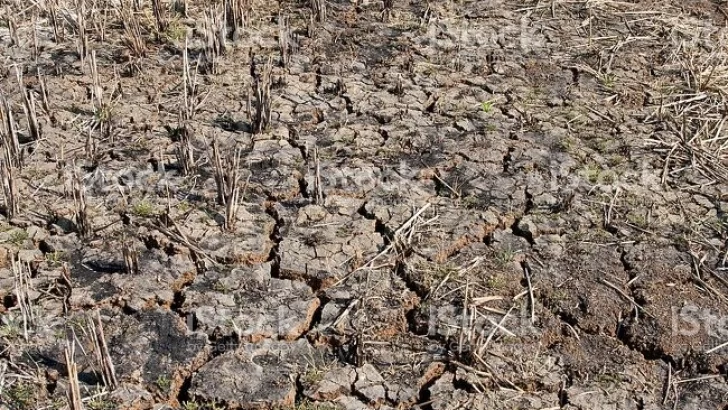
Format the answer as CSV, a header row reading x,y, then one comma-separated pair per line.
x,y
650,352
515,229
274,256
508,159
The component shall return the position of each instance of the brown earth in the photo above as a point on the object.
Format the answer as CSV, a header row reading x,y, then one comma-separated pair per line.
x,y
364,205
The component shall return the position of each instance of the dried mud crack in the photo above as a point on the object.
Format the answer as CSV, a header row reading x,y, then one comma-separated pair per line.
x,y
363,205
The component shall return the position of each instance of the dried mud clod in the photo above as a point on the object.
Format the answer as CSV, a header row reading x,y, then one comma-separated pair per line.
x,y
261,375
247,304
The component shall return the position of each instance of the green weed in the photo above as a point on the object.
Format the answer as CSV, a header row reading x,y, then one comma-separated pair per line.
x,y
18,237
495,282
21,395
163,383
487,106
504,257
143,209
55,257
176,31
101,403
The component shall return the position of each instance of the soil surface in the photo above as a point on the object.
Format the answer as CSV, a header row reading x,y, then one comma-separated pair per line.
x,y
341,204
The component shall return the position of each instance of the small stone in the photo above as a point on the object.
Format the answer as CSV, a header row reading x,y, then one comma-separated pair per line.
x,y
335,383
37,234
370,383
464,125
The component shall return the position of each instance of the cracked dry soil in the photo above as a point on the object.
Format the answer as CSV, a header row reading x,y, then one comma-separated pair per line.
x,y
455,204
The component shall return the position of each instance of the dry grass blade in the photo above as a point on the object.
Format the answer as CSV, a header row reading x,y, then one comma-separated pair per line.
x,y
215,37
262,102
698,265
22,290
477,301
668,384
10,190
318,10
219,171
52,13
318,189
43,93
233,191
227,179
10,160
79,205
404,233
191,101
185,152
716,348
637,306
176,234
481,349
9,133
133,38
102,108
101,350
692,149
188,107
237,14
159,16
74,391
531,298
284,40
693,112
77,21
97,91
3,372
703,71
35,51
99,21
29,106
344,314
465,326
402,238
131,258
31,114
12,28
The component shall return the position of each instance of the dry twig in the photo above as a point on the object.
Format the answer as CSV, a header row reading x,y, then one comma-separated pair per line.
x,y
101,350
74,392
